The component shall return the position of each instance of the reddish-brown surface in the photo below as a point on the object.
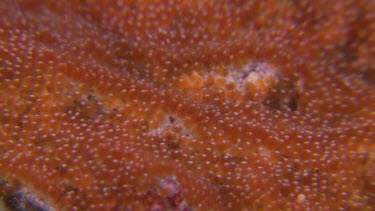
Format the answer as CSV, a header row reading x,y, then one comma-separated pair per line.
x,y
204,105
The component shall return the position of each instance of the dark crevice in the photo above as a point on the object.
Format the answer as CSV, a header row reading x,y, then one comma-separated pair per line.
x,y
285,96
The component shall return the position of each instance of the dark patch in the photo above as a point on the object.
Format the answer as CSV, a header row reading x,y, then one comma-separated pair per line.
x,y
173,145
91,98
348,53
61,170
284,96
171,119
15,198
20,124
12,202
74,108
152,199
279,103
369,77
43,141
85,109
49,38
133,8
317,178
229,158
39,142
73,189
121,207
292,103
285,156
174,201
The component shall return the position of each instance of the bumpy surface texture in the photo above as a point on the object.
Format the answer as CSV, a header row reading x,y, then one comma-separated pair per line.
x,y
187,105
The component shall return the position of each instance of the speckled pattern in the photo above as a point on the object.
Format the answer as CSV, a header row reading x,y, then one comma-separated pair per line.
x,y
187,105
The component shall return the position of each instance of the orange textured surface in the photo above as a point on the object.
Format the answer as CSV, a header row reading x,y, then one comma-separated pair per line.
x,y
179,105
